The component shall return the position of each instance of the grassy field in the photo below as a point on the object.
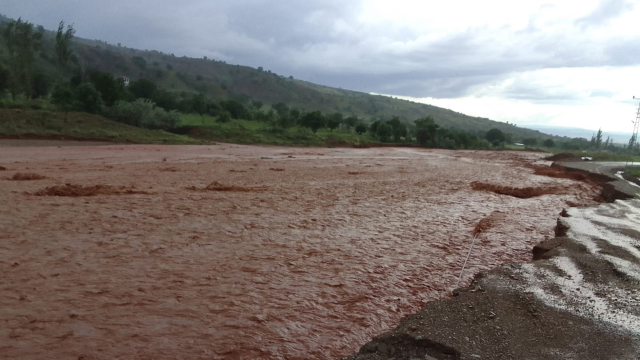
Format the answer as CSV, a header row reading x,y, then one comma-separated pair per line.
x,y
253,132
49,124
635,171
606,156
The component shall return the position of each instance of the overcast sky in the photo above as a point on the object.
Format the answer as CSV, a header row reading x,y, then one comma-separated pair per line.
x,y
564,63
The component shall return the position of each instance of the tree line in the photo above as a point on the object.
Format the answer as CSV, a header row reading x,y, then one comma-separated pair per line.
x,y
143,103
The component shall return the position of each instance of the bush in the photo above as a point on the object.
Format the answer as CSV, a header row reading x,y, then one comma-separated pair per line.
x,y
224,117
144,113
88,99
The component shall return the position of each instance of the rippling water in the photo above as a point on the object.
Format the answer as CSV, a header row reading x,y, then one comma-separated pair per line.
x,y
331,247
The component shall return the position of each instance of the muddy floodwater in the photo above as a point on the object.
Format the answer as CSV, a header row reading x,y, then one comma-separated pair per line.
x,y
240,252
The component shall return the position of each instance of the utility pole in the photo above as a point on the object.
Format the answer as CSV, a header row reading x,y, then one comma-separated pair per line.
x,y
634,138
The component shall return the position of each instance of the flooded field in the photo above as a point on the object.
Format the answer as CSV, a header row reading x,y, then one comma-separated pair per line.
x,y
240,252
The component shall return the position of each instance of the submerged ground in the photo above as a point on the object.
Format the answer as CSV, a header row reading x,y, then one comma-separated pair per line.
x,y
241,252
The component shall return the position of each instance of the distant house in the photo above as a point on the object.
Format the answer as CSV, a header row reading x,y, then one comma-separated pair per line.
x,y
125,80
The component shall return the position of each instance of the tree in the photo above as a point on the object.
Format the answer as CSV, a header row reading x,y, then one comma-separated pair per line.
x,y
199,105
165,99
4,80
140,62
399,129
549,143
295,115
143,89
373,128
350,122
281,108
384,132
111,89
257,104
632,142
234,107
62,97
88,98
530,142
22,44
39,86
426,129
599,139
313,120
361,128
334,120
63,46
495,136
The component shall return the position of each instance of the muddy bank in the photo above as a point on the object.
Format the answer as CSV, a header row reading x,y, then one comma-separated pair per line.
x,y
577,300
243,252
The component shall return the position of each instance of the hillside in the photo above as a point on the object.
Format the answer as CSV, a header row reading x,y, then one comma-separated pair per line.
x,y
219,80
34,124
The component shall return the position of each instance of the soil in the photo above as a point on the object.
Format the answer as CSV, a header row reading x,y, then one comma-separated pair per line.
x,y
71,190
27,176
217,186
309,262
563,157
29,140
521,193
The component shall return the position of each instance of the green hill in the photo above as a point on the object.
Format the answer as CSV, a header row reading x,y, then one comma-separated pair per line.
x,y
218,80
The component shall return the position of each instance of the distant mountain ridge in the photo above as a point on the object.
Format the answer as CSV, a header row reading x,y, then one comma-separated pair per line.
x,y
219,80
571,132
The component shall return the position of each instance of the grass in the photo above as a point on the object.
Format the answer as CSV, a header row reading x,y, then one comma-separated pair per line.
x,y
632,171
597,155
253,132
606,156
53,125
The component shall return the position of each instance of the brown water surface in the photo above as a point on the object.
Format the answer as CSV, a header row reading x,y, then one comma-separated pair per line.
x,y
307,253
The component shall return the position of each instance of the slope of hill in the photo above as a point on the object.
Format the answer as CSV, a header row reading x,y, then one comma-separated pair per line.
x,y
32,124
219,80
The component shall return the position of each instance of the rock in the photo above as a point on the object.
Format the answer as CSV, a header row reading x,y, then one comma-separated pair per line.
x,y
561,228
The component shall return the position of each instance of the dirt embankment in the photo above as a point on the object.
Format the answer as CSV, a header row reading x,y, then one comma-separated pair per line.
x,y
577,300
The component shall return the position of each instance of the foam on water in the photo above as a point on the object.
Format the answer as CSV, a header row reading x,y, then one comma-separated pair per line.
x,y
567,288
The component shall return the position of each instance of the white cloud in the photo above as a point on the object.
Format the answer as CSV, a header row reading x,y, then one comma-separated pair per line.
x,y
588,98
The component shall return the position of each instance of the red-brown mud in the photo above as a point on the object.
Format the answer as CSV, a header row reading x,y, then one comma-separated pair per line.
x,y
79,190
217,186
311,267
27,177
521,193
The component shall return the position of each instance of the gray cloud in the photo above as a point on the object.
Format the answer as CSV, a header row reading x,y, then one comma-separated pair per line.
x,y
323,41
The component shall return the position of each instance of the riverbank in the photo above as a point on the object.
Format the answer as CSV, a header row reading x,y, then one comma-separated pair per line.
x,y
578,299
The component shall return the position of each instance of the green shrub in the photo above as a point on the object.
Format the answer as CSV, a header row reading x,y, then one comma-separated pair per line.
x,y
143,113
